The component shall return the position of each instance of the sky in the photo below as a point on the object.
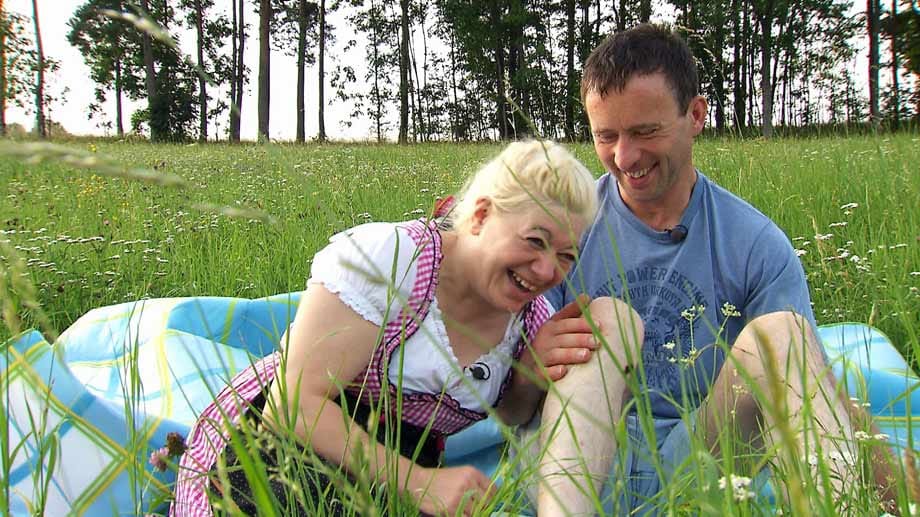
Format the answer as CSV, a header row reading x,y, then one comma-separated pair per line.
x,y
74,76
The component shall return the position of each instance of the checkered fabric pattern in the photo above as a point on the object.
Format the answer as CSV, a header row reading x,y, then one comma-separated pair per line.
x,y
872,370
85,414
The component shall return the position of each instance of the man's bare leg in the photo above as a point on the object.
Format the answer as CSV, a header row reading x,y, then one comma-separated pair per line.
x,y
579,414
771,354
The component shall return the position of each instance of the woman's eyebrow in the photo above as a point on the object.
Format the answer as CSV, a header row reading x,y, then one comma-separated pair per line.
x,y
546,233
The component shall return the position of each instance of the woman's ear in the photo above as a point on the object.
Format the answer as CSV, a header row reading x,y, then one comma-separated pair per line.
x,y
483,210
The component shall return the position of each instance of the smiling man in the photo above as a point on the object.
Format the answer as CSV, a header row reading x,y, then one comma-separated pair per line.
x,y
717,306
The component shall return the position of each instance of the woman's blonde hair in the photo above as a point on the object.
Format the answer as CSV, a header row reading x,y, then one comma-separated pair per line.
x,y
533,172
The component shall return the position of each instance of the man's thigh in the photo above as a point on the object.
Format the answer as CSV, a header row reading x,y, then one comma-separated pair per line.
x,y
635,479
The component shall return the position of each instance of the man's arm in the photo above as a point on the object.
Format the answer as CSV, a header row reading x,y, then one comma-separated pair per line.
x,y
565,339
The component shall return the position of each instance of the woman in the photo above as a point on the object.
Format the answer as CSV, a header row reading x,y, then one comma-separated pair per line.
x,y
417,322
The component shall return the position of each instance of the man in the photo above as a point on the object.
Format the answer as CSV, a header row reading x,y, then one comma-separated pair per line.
x,y
711,314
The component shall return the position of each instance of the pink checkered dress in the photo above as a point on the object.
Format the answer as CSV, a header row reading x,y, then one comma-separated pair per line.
x,y
210,434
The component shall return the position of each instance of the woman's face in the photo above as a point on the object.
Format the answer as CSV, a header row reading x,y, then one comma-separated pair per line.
x,y
522,253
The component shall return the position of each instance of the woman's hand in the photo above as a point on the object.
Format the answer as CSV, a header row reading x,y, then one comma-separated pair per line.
x,y
451,491
565,339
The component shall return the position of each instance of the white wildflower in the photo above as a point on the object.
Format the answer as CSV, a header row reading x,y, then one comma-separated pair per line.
x,y
730,311
740,487
849,206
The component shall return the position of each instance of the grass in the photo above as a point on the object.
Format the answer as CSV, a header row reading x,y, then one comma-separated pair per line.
x,y
248,218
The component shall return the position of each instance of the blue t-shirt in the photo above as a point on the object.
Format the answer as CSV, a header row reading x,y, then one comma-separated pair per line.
x,y
733,265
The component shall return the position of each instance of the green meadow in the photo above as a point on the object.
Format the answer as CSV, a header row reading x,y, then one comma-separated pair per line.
x,y
850,205
245,221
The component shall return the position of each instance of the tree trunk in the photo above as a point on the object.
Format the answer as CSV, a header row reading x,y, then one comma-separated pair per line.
x,y
621,16
455,112
321,135
234,70
241,70
150,80
301,70
426,98
895,65
765,17
872,21
766,81
570,86
375,65
737,82
504,131
501,104
202,84
520,93
719,75
3,29
119,120
415,91
403,71
645,10
265,15
40,127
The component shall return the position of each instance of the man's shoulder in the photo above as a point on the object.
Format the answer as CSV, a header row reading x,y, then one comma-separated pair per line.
x,y
746,225
734,209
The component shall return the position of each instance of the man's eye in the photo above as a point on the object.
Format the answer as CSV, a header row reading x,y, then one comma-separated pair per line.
x,y
605,138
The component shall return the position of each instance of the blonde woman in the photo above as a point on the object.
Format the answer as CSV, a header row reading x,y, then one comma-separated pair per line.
x,y
416,324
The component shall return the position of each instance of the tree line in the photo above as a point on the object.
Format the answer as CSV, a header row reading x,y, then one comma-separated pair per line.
x,y
469,69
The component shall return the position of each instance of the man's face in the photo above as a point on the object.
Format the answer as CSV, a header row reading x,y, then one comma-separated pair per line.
x,y
646,141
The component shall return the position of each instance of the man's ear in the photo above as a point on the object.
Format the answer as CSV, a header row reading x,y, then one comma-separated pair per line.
x,y
697,111
482,212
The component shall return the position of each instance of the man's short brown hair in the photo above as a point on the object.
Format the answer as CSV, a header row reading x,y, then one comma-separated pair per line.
x,y
642,50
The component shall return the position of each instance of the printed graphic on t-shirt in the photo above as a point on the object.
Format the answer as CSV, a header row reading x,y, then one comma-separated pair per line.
x,y
672,309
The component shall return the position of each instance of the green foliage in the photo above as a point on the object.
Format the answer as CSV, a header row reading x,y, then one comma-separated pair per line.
x,y
19,55
906,25
107,45
317,190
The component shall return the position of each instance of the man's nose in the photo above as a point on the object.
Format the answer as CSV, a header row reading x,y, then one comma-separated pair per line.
x,y
626,153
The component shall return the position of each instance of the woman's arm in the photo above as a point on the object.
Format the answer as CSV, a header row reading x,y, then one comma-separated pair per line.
x,y
328,346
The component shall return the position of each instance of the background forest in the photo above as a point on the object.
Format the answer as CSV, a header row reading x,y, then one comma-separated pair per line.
x,y
464,70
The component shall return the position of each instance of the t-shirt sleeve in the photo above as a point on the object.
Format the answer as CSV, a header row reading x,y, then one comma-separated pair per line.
x,y
370,267
556,297
776,279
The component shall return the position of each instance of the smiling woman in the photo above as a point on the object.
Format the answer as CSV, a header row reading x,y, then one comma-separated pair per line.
x,y
419,322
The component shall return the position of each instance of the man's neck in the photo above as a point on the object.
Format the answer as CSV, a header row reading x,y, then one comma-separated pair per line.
x,y
665,212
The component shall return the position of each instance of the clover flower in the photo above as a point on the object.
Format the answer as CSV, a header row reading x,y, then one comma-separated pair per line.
x,y
158,459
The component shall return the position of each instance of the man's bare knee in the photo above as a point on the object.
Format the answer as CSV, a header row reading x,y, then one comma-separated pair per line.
x,y
622,332
785,332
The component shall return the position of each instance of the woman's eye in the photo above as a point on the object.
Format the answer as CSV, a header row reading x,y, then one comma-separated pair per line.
x,y
537,242
566,258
